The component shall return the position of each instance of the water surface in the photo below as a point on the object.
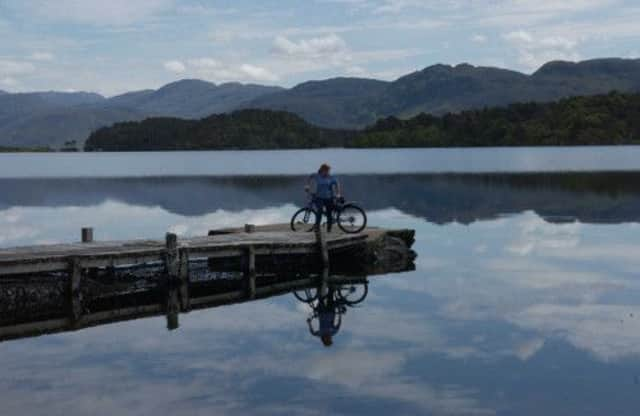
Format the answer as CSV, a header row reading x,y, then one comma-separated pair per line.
x,y
524,301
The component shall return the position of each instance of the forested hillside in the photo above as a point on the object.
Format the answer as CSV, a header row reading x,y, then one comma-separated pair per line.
x,y
597,120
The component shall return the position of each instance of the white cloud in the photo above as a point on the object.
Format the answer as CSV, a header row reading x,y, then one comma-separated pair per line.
x,y
534,51
41,56
177,67
258,73
215,70
94,12
477,38
9,67
315,48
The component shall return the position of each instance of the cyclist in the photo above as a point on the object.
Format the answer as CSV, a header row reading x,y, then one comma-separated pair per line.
x,y
329,315
327,189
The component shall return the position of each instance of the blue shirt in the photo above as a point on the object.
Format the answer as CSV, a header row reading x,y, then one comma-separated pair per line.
x,y
324,185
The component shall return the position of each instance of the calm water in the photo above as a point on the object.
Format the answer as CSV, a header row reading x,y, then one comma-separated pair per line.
x,y
525,299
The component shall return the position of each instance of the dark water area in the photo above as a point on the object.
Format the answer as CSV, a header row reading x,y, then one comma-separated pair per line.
x,y
525,300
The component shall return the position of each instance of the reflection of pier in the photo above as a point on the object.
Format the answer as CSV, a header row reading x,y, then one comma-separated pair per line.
x,y
164,299
70,287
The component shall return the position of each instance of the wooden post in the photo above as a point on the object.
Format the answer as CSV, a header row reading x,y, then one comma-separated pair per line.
x,y
75,291
322,245
184,281
171,260
249,228
249,271
87,235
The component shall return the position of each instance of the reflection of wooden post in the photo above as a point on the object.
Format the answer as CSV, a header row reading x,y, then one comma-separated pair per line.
x,y
87,235
173,308
184,280
321,238
75,291
249,270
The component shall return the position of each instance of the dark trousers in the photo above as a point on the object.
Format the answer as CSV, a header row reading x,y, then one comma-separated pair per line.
x,y
327,206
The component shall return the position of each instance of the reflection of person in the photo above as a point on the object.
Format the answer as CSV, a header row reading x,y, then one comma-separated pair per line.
x,y
327,189
329,320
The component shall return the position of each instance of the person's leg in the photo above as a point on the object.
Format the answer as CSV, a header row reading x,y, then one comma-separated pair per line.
x,y
319,208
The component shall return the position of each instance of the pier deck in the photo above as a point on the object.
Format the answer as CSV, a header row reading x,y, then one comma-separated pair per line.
x,y
224,244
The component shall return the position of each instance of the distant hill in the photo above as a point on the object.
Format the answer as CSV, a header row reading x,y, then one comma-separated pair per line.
x,y
244,129
334,103
51,119
192,98
594,120
438,89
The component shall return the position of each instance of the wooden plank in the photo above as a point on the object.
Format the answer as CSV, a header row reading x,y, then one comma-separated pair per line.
x,y
39,259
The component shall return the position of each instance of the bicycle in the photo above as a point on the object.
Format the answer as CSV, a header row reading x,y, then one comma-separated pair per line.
x,y
349,217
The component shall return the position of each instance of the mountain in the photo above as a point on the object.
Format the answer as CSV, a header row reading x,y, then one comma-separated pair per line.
x,y
53,119
335,103
243,129
438,89
609,119
192,98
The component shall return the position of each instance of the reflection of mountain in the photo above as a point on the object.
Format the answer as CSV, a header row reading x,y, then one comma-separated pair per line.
x,y
588,197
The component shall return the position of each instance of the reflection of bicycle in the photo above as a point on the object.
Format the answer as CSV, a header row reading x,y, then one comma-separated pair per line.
x,y
348,215
349,295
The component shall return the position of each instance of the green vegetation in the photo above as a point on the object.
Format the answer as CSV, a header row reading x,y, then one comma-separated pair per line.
x,y
246,129
24,149
597,120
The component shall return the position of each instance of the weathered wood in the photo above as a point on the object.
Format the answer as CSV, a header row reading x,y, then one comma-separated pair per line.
x,y
184,281
171,259
75,291
87,235
322,246
266,241
173,308
249,270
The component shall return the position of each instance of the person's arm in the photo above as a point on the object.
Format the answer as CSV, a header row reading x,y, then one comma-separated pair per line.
x,y
314,333
338,188
308,186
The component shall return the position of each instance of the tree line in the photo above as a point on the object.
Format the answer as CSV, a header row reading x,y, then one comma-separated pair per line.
x,y
595,120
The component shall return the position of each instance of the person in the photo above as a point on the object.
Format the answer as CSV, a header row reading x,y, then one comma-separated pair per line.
x,y
327,189
329,315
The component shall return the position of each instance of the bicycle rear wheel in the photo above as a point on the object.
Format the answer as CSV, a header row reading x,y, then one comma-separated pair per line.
x,y
352,219
303,220
353,294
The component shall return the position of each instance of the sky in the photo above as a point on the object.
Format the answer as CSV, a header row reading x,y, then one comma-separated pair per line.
x,y
122,45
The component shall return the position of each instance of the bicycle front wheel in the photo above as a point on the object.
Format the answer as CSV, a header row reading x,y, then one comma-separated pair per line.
x,y
303,220
352,219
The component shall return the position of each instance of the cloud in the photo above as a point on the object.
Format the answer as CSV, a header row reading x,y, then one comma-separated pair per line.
x,y
10,67
329,46
258,73
93,12
177,67
215,70
41,56
534,51
477,38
